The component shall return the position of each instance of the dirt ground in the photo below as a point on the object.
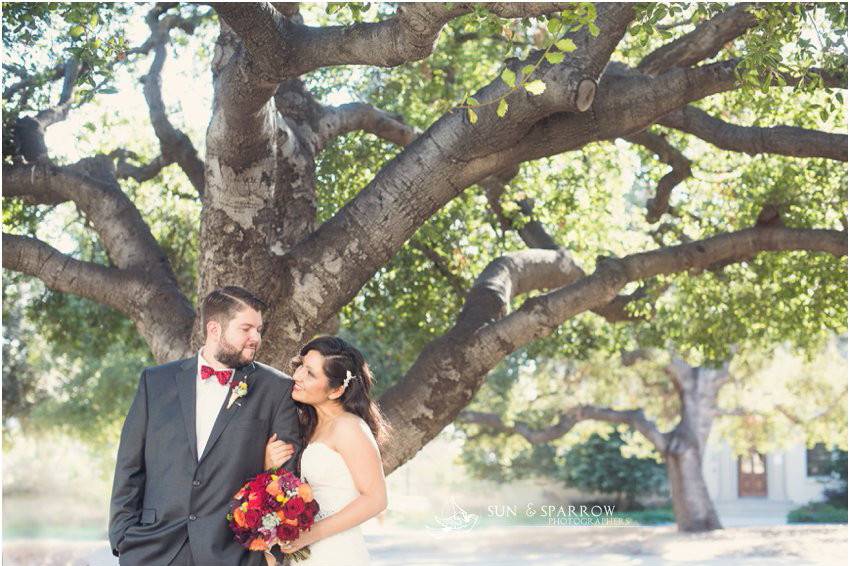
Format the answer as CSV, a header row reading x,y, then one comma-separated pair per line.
x,y
780,545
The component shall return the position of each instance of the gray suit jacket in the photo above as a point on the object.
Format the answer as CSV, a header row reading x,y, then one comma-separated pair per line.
x,y
163,493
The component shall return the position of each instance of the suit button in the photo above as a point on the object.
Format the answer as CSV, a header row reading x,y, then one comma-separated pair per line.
x,y
196,483
192,517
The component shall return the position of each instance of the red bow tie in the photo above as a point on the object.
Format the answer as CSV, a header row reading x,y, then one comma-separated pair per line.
x,y
223,376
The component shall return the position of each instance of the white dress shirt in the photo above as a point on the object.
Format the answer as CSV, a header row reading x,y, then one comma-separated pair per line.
x,y
209,398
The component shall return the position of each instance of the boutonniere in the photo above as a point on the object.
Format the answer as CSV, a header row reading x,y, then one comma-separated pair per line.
x,y
237,391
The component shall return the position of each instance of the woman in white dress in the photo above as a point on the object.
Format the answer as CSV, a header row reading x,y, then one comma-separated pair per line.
x,y
342,431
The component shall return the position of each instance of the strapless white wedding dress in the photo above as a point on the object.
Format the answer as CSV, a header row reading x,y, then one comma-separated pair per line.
x,y
333,488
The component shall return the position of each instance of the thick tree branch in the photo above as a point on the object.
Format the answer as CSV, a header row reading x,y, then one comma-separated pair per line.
x,y
174,144
106,285
680,170
285,49
704,42
627,102
612,274
635,418
161,313
340,120
535,235
141,173
29,130
91,185
450,370
443,159
752,140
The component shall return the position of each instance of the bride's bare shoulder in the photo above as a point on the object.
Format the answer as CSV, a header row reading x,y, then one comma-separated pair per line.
x,y
350,427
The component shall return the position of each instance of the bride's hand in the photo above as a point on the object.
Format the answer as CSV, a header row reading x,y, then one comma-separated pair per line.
x,y
306,538
278,452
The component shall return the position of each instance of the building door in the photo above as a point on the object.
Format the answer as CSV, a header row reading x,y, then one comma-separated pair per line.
x,y
752,475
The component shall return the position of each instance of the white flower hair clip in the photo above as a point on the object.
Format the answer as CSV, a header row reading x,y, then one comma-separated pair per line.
x,y
348,377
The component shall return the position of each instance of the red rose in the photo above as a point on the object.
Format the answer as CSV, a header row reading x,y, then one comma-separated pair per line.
x,y
253,518
293,507
313,506
256,502
260,482
287,532
305,519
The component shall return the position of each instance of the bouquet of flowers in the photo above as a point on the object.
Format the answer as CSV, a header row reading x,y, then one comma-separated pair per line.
x,y
272,508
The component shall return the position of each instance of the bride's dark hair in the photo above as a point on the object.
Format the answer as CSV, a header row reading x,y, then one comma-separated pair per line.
x,y
341,357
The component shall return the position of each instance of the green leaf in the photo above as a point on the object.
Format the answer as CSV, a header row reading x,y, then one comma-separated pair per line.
x,y
509,77
554,58
527,70
594,31
471,100
536,87
502,109
473,117
108,90
553,25
566,44
76,31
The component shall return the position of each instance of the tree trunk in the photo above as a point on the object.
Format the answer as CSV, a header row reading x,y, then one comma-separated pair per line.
x,y
697,388
692,505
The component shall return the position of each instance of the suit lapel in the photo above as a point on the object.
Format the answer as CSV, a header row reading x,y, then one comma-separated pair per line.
x,y
186,383
225,414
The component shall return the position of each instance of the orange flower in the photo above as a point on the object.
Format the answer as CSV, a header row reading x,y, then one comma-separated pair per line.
x,y
258,544
281,516
239,517
293,522
306,492
273,489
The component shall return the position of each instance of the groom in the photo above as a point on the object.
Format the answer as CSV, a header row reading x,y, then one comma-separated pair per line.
x,y
190,441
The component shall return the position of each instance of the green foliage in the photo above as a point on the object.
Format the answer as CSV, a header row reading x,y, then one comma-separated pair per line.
x,y
818,513
591,200
836,495
74,369
39,36
595,465
582,15
598,465
21,387
655,516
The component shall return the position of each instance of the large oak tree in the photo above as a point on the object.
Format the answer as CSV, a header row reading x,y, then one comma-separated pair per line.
x,y
577,77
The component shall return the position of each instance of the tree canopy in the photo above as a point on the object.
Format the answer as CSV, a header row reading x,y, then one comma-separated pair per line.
x,y
462,189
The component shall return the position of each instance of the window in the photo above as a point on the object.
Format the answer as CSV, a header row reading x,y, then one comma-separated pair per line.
x,y
818,460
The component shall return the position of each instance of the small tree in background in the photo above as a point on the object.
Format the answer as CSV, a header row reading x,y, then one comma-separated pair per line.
x,y
837,495
599,465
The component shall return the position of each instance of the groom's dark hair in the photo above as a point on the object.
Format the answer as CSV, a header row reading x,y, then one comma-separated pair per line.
x,y
223,304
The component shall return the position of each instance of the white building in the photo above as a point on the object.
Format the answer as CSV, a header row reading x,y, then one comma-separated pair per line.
x,y
795,475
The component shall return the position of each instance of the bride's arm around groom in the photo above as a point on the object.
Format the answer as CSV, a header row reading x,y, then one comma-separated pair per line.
x,y
354,441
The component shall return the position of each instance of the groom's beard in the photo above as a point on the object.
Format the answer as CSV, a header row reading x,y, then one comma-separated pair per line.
x,y
233,357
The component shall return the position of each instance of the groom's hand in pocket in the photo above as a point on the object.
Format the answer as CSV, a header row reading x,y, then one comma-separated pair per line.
x,y
278,452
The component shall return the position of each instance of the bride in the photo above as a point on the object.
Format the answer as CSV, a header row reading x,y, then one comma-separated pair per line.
x,y
342,430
